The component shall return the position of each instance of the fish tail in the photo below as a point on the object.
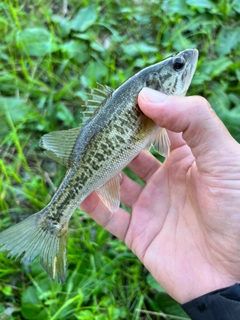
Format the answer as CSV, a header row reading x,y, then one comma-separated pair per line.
x,y
38,234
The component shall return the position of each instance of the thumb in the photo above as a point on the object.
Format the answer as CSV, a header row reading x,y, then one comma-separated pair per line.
x,y
203,131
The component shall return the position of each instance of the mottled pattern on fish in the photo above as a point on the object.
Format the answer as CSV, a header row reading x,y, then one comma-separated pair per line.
x,y
95,155
113,146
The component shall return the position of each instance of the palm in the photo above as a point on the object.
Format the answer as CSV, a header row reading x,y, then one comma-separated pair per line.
x,y
178,224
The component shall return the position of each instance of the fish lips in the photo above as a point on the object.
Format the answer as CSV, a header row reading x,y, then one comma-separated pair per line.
x,y
190,55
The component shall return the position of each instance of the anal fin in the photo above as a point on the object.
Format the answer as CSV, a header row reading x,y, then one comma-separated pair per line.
x,y
109,193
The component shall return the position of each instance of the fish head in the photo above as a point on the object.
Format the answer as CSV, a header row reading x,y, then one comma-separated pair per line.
x,y
173,75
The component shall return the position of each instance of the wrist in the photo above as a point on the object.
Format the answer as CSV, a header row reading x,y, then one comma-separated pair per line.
x,y
199,290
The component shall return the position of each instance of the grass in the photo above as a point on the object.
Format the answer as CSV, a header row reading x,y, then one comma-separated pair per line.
x,y
51,52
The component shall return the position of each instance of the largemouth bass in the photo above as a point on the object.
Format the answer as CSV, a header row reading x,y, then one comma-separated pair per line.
x,y
114,134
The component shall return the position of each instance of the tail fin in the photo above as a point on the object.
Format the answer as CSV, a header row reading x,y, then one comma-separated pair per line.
x,y
39,235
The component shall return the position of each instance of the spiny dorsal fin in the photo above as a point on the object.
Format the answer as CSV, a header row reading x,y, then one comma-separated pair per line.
x,y
103,89
109,193
99,97
59,145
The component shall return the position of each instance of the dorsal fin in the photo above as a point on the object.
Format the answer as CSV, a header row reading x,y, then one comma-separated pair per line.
x,y
59,145
99,97
103,89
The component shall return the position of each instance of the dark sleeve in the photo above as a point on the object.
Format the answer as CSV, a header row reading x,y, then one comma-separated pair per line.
x,y
222,304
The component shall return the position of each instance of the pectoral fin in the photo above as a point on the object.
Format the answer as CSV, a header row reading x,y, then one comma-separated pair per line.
x,y
59,145
161,143
109,193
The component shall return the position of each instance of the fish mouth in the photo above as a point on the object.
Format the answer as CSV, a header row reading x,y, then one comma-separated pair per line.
x,y
191,56
194,62
193,65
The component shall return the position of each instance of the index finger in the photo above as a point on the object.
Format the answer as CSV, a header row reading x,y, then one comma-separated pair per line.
x,y
203,131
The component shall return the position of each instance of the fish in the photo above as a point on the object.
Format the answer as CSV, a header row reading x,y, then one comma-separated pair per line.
x,y
113,132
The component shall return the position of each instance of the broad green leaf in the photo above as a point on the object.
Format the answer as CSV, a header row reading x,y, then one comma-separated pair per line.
x,y
85,315
170,306
36,42
34,312
238,74
76,50
30,296
176,7
218,99
97,47
64,114
235,99
138,48
113,313
228,39
14,108
7,290
201,4
215,67
182,43
236,5
64,25
231,120
94,72
153,283
84,18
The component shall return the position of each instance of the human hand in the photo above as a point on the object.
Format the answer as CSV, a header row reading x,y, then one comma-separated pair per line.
x,y
185,223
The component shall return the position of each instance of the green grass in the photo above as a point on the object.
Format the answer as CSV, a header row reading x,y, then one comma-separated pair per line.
x,y
51,52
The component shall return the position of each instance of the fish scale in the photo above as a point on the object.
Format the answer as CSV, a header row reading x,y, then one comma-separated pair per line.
x,y
113,133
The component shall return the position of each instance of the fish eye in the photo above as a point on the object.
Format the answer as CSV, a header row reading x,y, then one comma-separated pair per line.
x,y
178,63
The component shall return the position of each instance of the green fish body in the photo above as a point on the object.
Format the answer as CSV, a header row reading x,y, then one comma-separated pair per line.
x,y
95,155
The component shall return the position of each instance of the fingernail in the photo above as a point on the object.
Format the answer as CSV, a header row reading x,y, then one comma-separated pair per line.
x,y
151,95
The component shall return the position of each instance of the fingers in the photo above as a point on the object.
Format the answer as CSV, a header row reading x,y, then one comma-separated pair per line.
x,y
203,131
117,223
144,165
176,140
130,191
